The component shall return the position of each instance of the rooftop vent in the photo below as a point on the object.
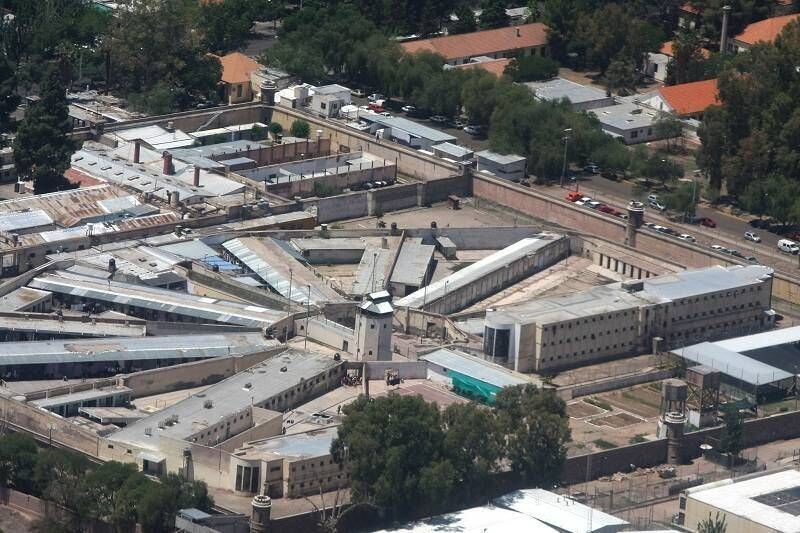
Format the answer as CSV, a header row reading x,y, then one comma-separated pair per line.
x,y
248,385
208,404
284,369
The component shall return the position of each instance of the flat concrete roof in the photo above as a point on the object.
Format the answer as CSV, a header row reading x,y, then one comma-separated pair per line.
x,y
312,443
82,396
229,396
413,262
474,367
560,88
20,298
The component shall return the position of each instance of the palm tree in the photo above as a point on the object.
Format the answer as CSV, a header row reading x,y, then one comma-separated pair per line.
x,y
712,525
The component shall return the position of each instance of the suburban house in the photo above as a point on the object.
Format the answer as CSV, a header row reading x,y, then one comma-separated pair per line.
x,y
763,31
525,39
580,97
655,65
685,100
492,66
237,74
629,121
328,100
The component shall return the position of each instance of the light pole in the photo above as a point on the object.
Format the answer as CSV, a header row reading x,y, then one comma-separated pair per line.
x,y
565,138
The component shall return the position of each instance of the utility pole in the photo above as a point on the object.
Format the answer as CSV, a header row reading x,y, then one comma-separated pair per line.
x,y
565,138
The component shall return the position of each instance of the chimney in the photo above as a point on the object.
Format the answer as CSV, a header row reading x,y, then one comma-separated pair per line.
x,y
518,34
167,157
176,199
723,39
260,514
137,148
196,178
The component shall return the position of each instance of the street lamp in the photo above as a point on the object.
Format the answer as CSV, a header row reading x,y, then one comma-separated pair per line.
x,y
565,138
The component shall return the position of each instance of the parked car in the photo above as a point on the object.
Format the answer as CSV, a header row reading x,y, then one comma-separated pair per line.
x,y
594,204
760,223
789,247
438,119
375,108
737,253
636,204
656,205
707,222
686,237
358,93
386,114
410,109
591,168
573,196
750,236
473,130
751,259
720,249
456,123
607,209
652,197
375,96
610,175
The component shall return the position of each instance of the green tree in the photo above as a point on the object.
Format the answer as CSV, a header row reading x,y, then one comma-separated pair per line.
x,y
226,25
300,128
669,128
716,524
9,99
620,76
683,199
532,68
474,445
731,441
493,14
466,22
393,447
756,198
42,147
686,50
536,427
275,129
17,461
57,476
712,136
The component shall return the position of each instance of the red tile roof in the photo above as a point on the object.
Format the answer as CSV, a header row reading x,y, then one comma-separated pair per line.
x,y
691,98
237,67
482,42
74,176
496,67
667,50
765,30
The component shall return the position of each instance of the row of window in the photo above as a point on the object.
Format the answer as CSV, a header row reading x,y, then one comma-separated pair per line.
x,y
590,336
619,346
712,312
330,478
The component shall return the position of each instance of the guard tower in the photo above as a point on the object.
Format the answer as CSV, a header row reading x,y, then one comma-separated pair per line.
x,y
673,418
374,327
260,517
702,401
635,221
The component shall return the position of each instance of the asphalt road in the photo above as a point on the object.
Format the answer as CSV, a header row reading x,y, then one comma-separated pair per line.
x,y
728,233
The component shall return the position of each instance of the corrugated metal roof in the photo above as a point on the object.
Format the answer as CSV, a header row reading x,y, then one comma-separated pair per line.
x,y
114,292
485,519
732,363
132,348
705,280
253,253
559,511
20,220
762,340
372,271
412,263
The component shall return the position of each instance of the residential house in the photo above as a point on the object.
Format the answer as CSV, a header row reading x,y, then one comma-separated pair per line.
x,y
655,65
763,31
628,121
328,100
525,39
237,74
580,97
685,100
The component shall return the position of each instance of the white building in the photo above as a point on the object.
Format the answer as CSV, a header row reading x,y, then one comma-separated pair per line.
x,y
510,167
328,100
629,121
580,97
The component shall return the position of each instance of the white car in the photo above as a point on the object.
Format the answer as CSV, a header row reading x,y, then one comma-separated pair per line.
x,y
386,114
375,97
750,236
720,249
656,205
687,237
408,109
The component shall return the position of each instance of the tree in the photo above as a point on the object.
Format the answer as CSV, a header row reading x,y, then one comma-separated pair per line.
x,y
57,476
712,525
756,198
685,51
226,24
17,461
712,136
465,22
300,128
493,14
153,48
42,148
683,199
9,99
532,68
621,76
275,129
473,443
535,424
669,128
732,439
393,447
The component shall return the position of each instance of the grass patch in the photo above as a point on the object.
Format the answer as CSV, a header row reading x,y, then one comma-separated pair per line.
x,y
634,398
598,403
638,438
604,444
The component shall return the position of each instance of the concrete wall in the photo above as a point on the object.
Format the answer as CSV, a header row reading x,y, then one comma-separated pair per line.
x,y
328,332
408,160
614,383
407,369
350,205
190,121
305,186
564,213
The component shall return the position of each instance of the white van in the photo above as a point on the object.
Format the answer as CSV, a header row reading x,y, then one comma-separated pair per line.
x,y
790,247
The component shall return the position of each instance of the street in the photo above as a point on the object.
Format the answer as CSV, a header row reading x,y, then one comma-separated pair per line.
x,y
728,233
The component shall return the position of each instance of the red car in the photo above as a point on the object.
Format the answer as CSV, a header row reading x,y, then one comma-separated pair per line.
x,y
574,196
707,222
606,209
